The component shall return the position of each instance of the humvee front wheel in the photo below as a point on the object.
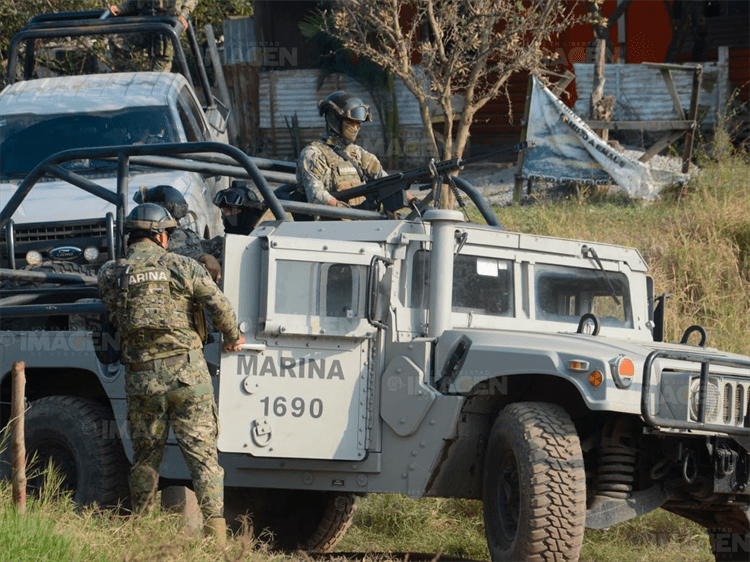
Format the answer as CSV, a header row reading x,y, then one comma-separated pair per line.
x,y
534,485
292,519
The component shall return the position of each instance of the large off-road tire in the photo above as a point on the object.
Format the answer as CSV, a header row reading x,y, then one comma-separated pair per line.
x,y
293,519
74,434
534,485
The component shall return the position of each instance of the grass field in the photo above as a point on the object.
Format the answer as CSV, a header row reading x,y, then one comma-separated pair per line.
x,y
697,241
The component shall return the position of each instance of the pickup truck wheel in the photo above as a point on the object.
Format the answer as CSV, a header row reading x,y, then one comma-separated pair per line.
x,y
70,432
534,485
295,519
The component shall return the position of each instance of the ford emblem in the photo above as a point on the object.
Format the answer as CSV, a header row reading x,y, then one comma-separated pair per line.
x,y
65,253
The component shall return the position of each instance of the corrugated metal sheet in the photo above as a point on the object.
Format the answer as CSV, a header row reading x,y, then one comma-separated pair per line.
x,y
282,95
642,95
240,45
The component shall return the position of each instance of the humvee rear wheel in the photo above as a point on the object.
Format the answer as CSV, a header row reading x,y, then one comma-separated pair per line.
x,y
292,519
534,485
70,433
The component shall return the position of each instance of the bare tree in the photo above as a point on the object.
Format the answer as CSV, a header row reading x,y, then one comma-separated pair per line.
x,y
458,54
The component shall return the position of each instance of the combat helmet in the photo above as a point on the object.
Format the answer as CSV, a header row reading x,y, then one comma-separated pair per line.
x,y
343,105
240,208
147,220
237,195
166,196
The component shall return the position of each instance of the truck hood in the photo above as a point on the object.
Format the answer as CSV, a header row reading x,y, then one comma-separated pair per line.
x,y
60,201
505,353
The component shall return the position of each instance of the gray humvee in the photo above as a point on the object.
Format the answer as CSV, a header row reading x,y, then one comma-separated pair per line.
x,y
427,357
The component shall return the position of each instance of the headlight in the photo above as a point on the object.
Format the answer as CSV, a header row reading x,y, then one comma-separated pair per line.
x,y
33,257
712,400
623,371
91,253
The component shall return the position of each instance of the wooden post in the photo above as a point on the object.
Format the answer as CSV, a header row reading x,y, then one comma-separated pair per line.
x,y
18,447
687,151
597,93
221,82
518,183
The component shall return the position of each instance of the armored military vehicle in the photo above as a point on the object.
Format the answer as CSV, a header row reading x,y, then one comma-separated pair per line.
x,y
425,356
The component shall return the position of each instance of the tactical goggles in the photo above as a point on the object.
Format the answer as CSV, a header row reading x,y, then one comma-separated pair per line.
x,y
357,113
226,198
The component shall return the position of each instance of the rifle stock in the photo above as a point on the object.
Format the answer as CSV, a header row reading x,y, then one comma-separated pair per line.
x,y
391,190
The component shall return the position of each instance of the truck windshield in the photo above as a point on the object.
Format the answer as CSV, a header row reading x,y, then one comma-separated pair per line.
x,y
564,294
27,139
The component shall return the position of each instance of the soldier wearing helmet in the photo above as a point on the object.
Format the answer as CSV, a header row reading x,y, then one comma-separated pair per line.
x,y
183,240
150,295
240,208
335,163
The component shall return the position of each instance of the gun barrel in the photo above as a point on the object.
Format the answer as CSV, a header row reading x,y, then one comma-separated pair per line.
x,y
422,174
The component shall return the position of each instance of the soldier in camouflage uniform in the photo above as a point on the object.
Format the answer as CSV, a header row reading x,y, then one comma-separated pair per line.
x,y
335,163
183,240
125,49
241,209
150,296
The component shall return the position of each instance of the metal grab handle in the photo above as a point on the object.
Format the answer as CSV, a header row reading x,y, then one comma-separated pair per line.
x,y
259,346
695,328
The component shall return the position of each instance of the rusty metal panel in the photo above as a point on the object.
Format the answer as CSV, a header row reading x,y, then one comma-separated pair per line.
x,y
242,83
642,94
240,45
284,94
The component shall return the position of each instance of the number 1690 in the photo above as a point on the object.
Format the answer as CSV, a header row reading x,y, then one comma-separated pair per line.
x,y
297,407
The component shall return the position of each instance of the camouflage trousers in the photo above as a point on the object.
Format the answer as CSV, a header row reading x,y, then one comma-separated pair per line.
x,y
190,411
136,52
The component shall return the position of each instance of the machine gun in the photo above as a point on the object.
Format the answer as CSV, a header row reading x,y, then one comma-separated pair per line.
x,y
390,191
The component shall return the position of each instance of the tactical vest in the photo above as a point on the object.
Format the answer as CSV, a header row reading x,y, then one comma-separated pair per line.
x,y
146,301
160,6
344,174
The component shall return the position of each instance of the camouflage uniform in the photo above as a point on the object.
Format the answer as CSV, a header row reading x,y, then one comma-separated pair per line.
x,y
125,48
185,242
321,171
166,378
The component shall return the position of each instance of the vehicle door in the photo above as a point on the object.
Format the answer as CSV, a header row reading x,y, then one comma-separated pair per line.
x,y
300,390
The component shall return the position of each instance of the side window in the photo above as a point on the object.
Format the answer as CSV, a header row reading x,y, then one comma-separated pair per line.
x,y
480,285
188,104
341,286
330,290
191,130
483,285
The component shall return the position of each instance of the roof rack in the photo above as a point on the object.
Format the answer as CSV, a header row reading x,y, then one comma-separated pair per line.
x,y
89,23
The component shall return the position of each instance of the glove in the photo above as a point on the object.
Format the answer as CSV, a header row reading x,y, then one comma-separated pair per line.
x,y
212,265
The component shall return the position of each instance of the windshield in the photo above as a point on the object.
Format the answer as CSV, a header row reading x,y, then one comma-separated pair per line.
x,y
564,294
27,139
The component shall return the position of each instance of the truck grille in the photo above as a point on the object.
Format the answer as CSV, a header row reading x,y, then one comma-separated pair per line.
x,y
41,232
735,398
727,401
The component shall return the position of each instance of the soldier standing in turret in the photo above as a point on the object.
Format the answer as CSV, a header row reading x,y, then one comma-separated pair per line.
x,y
335,163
